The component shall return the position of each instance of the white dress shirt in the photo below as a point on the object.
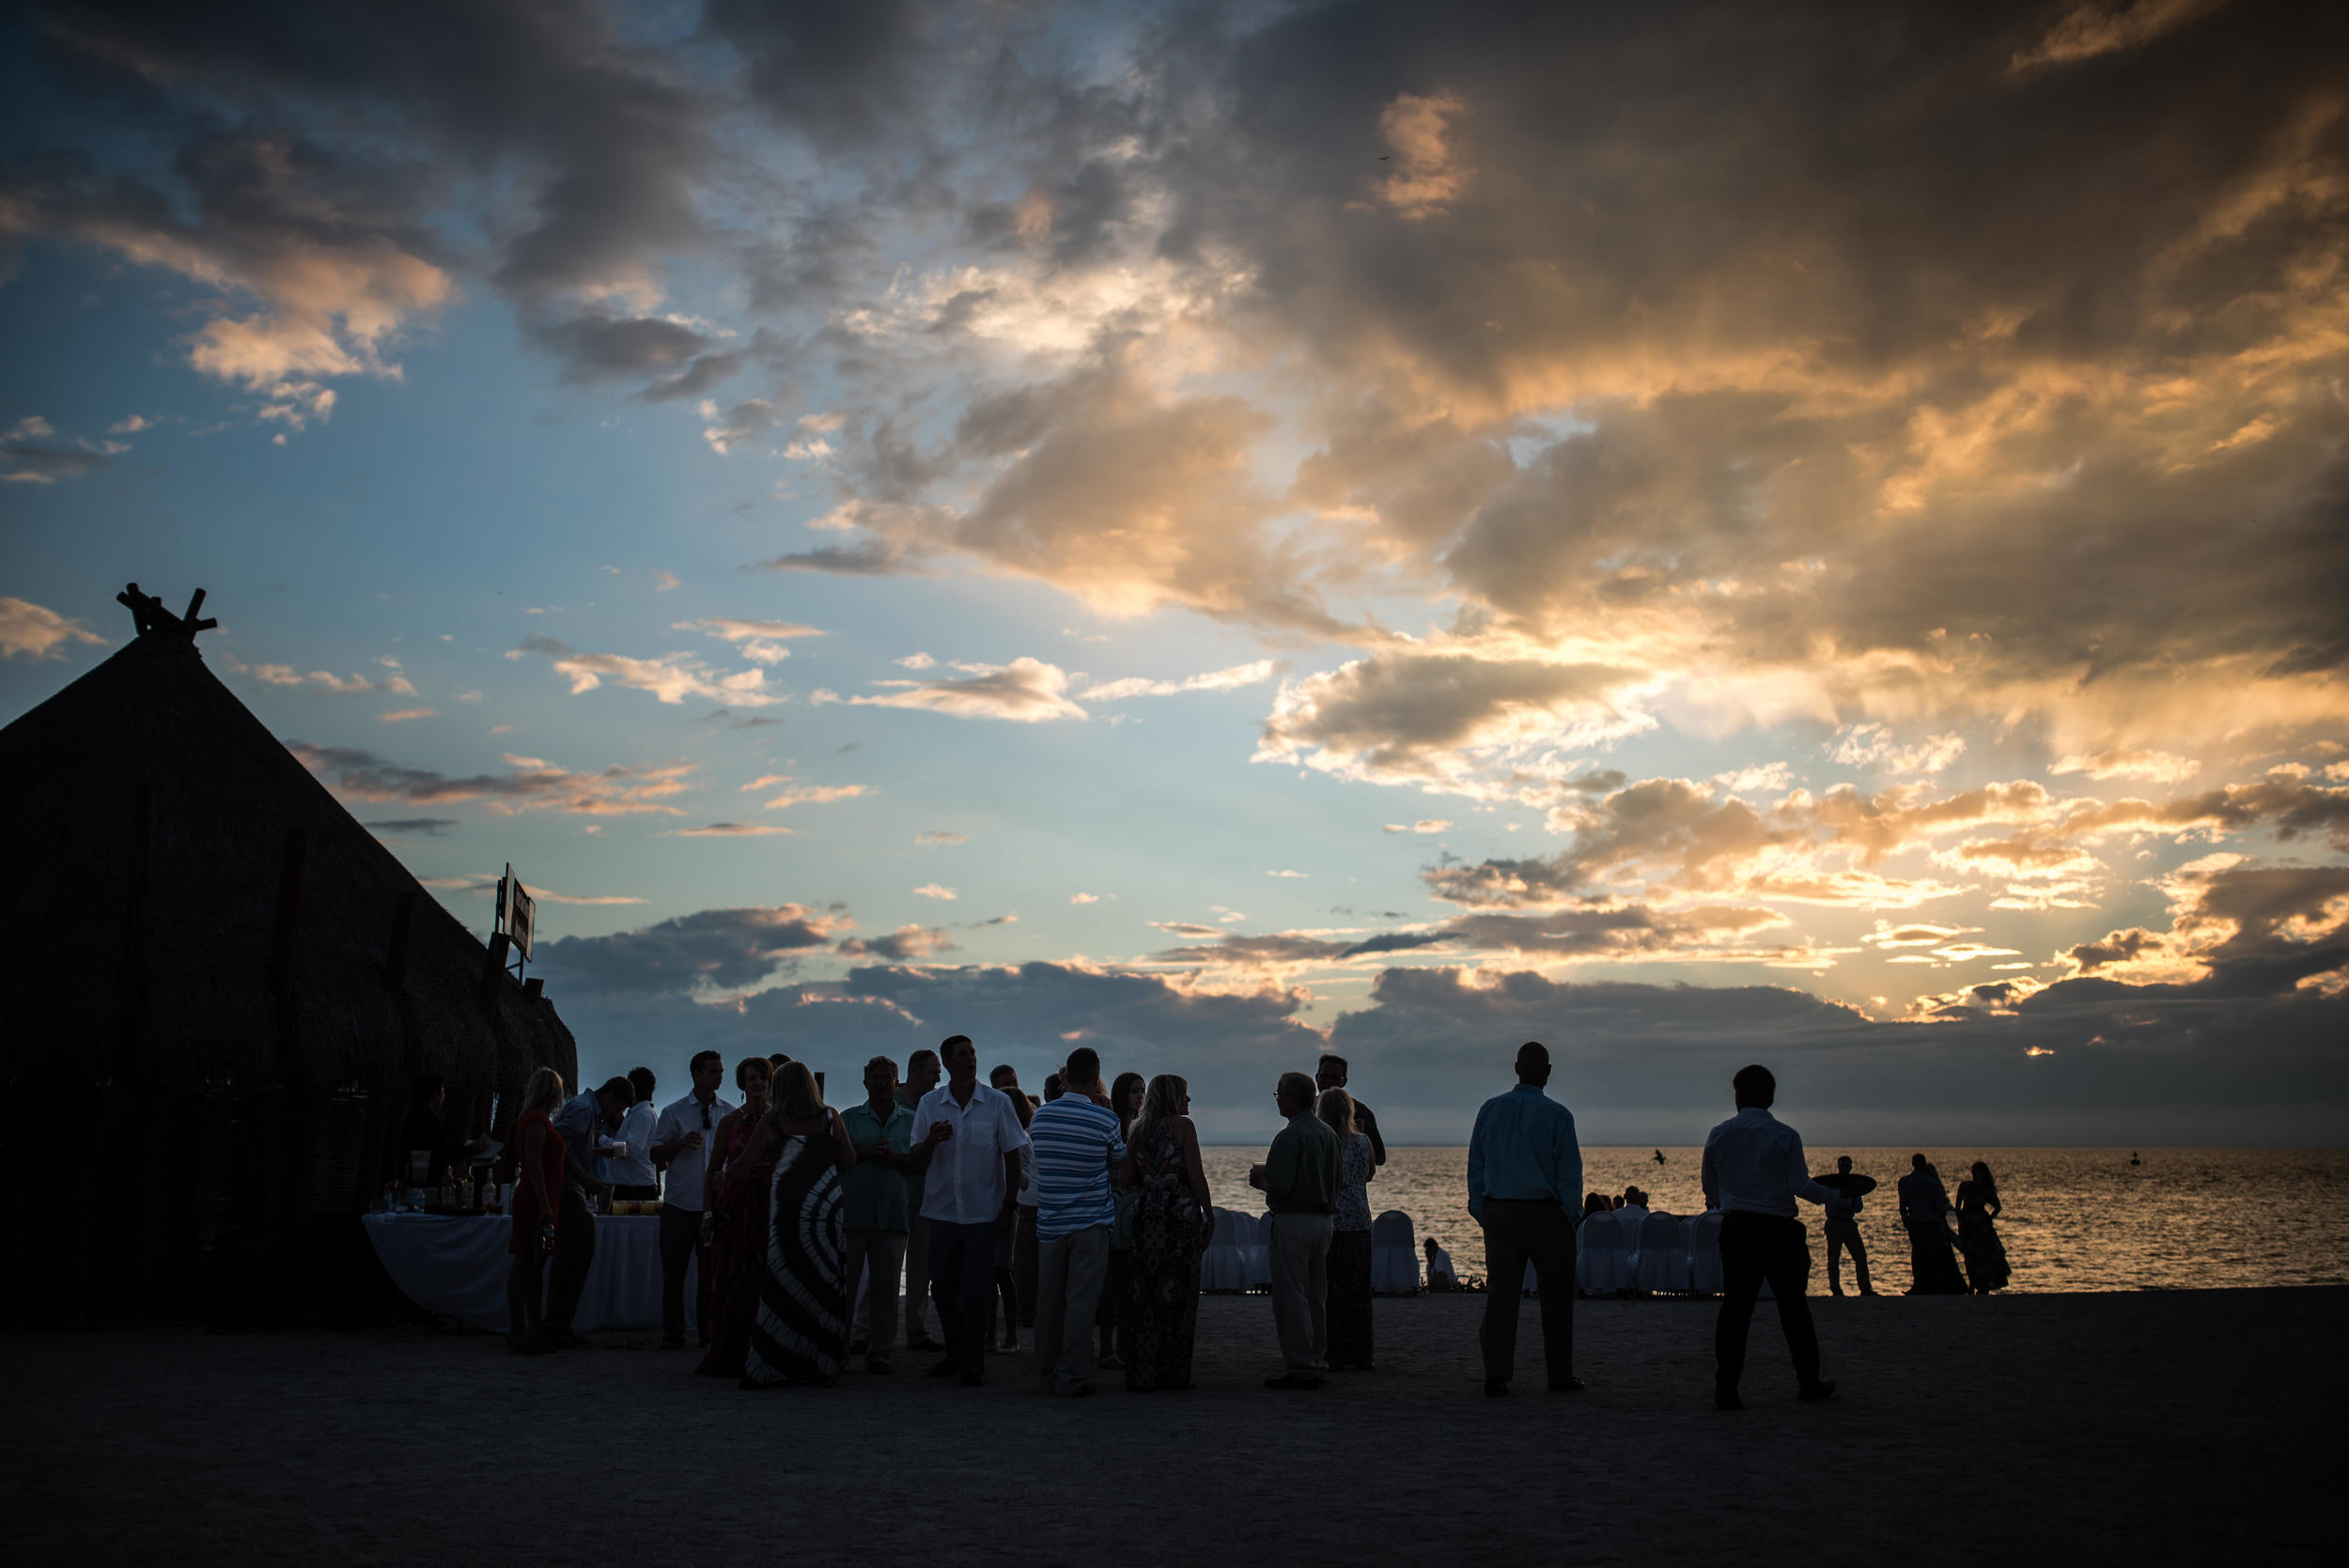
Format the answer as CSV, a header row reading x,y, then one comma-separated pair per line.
x,y
636,1125
964,1186
687,1166
1633,1217
1753,1161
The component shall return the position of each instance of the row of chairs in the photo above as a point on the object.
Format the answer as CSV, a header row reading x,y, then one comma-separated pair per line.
x,y
1239,1254
1659,1255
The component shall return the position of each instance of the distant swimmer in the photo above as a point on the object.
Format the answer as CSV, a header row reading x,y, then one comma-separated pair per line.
x,y
2133,1159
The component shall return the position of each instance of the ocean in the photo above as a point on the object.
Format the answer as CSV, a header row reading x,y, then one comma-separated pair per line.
x,y
2075,1219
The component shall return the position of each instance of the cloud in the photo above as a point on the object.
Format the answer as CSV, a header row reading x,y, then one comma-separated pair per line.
x,y
1084,898
1427,173
801,795
427,827
485,884
907,944
1872,746
936,837
618,790
712,950
935,889
762,642
671,678
404,715
1446,721
1424,825
1025,691
37,633
730,829
665,583
866,558
1214,680
2158,766
35,454
1289,874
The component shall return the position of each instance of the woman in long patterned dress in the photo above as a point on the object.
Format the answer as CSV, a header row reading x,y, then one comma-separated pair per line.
x,y
1172,1215
736,1196
1978,1206
1349,1307
800,1334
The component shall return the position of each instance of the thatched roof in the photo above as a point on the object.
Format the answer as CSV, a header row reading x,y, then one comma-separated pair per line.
x,y
144,958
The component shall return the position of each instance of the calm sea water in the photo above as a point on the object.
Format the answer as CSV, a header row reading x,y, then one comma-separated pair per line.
x,y
2075,1219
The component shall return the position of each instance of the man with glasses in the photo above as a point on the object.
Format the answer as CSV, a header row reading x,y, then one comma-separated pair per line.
x,y
681,1148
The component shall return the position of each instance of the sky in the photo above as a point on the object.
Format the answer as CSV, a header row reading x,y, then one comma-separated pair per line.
x,y
1695,534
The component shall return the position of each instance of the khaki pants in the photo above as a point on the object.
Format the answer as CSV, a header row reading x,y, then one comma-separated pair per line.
x,y
885,1253
1068,1293
1300,1291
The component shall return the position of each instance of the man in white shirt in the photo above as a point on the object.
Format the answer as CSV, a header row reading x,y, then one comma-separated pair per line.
x,y
967,1142
1754,1171
631,1174
680,1146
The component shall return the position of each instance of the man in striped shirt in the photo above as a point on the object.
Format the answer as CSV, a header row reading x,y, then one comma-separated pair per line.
x,y
1077,1145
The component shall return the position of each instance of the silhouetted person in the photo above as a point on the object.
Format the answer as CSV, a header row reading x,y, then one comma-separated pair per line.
x,y
1329,1073
1977,1238
922,1074
1842,1225
1439,1273
1300,1181
1524,1168
1754,1171
1924,1206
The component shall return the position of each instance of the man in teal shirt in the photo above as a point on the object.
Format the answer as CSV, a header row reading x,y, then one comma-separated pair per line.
x,y
876,1210
1525,1185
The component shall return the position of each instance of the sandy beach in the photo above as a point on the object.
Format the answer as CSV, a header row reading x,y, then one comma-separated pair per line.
x,y
2110,1428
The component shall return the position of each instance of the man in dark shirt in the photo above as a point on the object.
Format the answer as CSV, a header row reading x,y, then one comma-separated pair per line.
x,y
1331,1075
1300,1181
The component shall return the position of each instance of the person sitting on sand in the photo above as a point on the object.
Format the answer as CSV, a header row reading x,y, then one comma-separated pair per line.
x,y
1595,1203
1524,1163
1440,1275
1753,1170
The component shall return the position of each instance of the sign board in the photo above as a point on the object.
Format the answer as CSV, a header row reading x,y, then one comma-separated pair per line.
x,y
517,911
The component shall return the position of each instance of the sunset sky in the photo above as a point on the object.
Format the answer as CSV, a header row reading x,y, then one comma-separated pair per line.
x,y
1695,534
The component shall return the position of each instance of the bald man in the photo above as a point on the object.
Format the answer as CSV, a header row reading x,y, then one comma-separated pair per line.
x,y
1525,1187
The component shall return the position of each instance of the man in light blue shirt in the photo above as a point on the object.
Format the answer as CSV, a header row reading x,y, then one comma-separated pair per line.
x,y
1753,1170
1525,1185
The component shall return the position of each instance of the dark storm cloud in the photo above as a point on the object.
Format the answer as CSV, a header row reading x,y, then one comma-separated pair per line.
x,y
710,950
429,827
594,346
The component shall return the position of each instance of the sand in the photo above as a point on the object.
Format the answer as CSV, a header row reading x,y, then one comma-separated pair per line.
x,y
2107,1428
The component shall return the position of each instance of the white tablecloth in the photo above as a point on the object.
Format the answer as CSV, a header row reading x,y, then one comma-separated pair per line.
x,y
458,1264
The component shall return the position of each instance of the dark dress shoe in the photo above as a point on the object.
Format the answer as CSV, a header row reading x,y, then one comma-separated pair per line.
x,y
1726,1399
1495,1389
1816,1390
946,1368
1568,1386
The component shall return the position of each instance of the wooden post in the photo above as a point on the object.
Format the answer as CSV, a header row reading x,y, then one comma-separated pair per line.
x,y
494,972
403,929
535,990
293,876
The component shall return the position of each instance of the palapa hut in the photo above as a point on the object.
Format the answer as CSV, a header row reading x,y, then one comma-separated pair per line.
x,y
218,990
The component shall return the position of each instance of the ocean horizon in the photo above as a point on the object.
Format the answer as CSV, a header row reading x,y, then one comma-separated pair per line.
x,y
2077,1216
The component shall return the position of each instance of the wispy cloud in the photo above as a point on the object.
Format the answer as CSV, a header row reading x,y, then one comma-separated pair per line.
x,y
935,889
531,784
729,830
671,678
939,838
1025,691
1214,680
33,631
760,642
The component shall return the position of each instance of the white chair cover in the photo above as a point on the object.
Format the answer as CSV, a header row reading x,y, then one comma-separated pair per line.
x,y
1222,1265
1602,1263
1704,1253
1630,1220
1394,1255
456,1265
1663,1255
1258,1251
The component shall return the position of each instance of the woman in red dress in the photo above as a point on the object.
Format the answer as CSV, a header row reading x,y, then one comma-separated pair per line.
x,y
537,1183
736,1197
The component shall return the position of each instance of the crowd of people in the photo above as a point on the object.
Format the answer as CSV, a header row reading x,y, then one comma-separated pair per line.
x,y
1081,1214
